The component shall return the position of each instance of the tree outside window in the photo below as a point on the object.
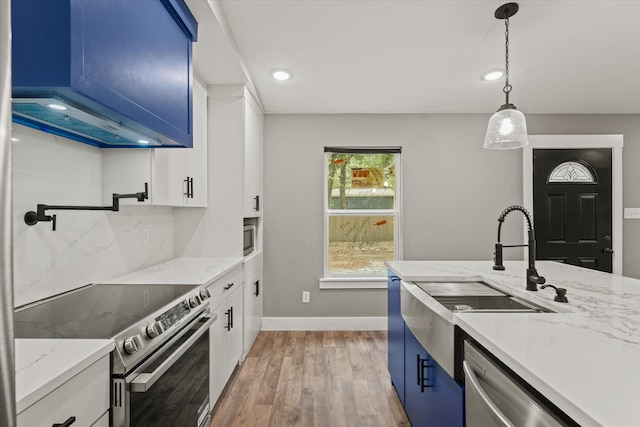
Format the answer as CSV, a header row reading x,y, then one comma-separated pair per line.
x,y
362,212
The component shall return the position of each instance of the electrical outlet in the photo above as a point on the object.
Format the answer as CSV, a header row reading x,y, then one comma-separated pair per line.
x,y
145,235
631,213
305,297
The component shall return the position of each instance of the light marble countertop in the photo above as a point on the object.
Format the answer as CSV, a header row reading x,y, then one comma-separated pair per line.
x,y
42,365
181,271
585,358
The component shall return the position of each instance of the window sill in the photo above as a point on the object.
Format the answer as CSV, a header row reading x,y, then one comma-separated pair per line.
x,y
353,283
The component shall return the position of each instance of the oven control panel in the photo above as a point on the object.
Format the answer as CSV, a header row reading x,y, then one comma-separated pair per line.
x,y
173,315
136,343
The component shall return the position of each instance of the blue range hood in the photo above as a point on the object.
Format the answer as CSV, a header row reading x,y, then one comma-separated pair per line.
x,y
109,73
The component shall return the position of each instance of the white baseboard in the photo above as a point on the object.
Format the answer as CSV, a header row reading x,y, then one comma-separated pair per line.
x,y
324,323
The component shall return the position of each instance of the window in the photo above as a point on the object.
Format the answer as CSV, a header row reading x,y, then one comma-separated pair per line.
x,y
572,172
362,210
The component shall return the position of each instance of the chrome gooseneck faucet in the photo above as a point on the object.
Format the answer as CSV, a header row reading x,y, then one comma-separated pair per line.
x,y
533,278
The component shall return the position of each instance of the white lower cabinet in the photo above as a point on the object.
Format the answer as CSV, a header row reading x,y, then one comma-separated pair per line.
x,y
85,397
225,334
252,300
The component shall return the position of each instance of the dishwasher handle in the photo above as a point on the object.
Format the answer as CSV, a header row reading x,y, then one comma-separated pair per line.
x,y
475,385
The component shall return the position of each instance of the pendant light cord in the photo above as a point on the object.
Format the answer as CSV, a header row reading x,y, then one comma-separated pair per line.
x,y
507,86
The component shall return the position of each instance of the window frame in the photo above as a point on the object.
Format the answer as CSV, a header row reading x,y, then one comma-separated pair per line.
x,y
359,281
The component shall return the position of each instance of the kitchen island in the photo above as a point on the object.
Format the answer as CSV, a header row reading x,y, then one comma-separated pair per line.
x,y
585,358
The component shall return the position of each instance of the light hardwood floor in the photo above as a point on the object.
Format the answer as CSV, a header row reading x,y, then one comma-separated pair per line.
x,y
312,379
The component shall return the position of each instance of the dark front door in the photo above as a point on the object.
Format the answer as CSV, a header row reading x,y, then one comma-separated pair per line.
x,y
572,206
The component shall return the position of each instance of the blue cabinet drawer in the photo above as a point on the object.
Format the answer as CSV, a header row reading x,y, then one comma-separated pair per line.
x,y
128,61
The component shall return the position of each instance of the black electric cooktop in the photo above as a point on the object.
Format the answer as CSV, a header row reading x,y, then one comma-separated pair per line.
x,y
94,311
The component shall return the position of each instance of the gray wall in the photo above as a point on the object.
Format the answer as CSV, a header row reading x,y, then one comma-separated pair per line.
x,y
454,191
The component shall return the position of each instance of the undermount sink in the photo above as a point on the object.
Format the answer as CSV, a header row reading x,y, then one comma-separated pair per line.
x,y
488,304
477,297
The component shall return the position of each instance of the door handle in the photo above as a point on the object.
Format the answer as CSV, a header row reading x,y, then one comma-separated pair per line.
x,y
607,250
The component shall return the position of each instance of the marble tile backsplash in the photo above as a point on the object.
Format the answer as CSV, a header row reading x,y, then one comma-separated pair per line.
x,y
87,246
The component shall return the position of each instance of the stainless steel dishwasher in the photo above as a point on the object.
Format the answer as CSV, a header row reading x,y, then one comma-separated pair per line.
x,y
493,397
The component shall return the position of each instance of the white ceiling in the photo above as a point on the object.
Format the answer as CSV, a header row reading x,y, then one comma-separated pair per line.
x,y
402,56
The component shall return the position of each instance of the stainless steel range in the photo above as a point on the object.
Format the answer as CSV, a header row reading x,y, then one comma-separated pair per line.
x,y
160,366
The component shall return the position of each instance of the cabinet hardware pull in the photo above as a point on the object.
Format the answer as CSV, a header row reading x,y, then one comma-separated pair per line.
x,y
419,373
257,284
226,288
424,365
257,199
189,182
228,325
231,309
67,423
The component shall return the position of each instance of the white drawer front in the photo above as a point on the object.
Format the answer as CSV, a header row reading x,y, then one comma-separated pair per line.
x,y
85,397
222,288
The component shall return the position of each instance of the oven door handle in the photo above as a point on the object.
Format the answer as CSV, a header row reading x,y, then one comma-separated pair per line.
x,y
143,382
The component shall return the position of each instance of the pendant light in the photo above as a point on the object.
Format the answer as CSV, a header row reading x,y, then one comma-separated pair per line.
x,y
507,127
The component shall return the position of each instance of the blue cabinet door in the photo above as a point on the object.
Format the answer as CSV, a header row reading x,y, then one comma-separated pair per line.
x,y
432,397
446,399
416,386
395,334
127,61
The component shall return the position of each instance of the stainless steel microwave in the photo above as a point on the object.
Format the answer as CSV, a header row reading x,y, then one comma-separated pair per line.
x,y
249,239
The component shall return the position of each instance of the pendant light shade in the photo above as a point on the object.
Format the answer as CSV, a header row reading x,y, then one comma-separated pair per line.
x,y
507,127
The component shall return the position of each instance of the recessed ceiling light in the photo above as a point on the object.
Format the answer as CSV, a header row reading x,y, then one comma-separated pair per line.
x,y
57,107
493,75
281,75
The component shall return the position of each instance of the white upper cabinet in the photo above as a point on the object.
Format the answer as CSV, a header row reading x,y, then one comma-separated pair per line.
x,y
252,168
175,176
181,174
